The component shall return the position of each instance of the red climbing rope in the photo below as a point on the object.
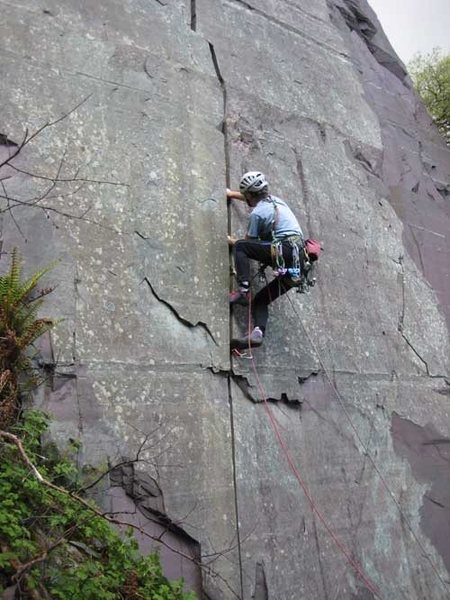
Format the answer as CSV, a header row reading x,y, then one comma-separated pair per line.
x,y
367,453
275,427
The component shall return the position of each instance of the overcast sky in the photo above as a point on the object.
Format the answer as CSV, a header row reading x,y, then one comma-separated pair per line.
x,y
414,25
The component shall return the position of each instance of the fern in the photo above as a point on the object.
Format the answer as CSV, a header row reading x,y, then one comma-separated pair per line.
x,y
20,327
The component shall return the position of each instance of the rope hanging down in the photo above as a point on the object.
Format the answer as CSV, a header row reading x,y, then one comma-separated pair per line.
x,y
366,450
367,453
338,543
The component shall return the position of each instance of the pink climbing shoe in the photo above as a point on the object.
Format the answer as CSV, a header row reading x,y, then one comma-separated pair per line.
x,y
239,297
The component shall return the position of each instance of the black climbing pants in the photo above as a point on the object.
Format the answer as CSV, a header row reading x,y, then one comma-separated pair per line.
x,y
246,250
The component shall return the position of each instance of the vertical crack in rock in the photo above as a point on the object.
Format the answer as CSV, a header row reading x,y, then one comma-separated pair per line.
x,y
428,454
261,591
177,315
77,297
401,277
236,501
304,188
194,15
225,111
319,557
419,249
401,319
416,353
230,394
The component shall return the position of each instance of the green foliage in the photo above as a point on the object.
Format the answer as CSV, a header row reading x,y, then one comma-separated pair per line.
x,y
431,76
85,558
51,544
19,328
19,306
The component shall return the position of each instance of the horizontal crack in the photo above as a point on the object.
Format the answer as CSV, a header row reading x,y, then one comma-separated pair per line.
x,y
302,380
177,315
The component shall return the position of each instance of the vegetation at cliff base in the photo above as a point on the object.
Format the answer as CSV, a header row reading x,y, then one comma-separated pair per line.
x,y
55,543
20,301
431,77
52,546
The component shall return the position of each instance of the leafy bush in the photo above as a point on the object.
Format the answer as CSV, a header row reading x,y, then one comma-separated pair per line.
x,y
77,554
431,76
53,542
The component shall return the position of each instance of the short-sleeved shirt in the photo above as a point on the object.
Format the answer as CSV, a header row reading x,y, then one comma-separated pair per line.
x,y
262,218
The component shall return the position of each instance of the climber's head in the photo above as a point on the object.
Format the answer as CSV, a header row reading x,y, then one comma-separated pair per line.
x,y
254,187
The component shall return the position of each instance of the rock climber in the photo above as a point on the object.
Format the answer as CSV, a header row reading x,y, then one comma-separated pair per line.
x,y
273,234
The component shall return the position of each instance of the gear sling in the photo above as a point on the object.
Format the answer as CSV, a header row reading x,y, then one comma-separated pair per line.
x,y
304,254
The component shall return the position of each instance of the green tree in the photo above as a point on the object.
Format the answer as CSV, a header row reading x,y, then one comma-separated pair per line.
x,y
431,77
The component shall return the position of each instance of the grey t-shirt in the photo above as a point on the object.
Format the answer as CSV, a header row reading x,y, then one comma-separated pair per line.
x,y
263,216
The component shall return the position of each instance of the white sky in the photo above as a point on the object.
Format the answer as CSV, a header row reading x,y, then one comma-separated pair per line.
x,y
414,25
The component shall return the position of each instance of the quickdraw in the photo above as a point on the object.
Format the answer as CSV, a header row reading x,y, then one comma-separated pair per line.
x,y
300,274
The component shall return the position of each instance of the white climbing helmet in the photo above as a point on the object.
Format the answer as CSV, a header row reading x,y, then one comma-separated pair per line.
x,y
253,182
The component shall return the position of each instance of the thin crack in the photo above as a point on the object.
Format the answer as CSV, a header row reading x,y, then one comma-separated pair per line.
x,y
304,187
236,502
231,377
434,501
261,590
401,318
419,251
193,15
289,28
319,557
225,111
416,353
302,380
178,316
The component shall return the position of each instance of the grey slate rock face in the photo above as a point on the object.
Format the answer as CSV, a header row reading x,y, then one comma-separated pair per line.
x,y
180,98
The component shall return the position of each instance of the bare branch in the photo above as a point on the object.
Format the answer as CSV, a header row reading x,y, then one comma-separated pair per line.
x,y
18,443
73,179
27,139
34,204
111,519
11,213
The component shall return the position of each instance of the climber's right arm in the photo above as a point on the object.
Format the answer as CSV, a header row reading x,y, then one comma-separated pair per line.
x,y
234,195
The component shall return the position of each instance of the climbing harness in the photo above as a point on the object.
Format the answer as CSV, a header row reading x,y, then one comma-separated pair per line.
x,y
301,274
304,255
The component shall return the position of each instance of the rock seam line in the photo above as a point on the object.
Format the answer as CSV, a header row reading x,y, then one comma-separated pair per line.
x,y
194,15
291,29
229,377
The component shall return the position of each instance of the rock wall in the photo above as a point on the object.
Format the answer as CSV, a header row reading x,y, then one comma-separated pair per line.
x,y
144,111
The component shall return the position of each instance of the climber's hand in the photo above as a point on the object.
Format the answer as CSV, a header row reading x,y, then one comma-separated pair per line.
x,y
233,195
